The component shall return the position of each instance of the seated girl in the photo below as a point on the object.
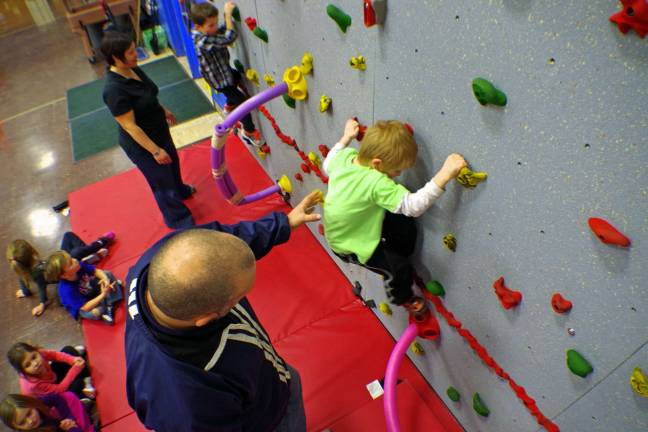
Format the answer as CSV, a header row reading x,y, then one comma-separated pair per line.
x,y
84,290
53,412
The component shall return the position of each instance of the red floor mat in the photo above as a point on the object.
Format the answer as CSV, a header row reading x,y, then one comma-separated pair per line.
x,y
301,296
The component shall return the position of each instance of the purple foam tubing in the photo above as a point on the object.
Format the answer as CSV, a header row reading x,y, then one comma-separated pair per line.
x,y
391,377
217,163
250,104
261,194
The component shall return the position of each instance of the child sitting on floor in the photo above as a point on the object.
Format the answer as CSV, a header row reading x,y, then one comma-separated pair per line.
x,y
53,412
43,371
84,290
368,218
25,261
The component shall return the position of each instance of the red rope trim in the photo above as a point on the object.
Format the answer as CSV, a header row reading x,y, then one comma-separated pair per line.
x,y
290,141
519,391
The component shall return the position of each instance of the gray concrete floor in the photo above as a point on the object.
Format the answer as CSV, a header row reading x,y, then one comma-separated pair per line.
x,y
37,66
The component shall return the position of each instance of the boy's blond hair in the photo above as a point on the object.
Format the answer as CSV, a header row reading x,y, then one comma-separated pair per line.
x,y
391,142
55,265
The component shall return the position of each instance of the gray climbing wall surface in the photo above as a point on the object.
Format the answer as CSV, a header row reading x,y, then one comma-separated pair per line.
x,y
571,143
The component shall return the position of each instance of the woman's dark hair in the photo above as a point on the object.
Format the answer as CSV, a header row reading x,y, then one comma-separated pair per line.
x,y
11,402
17,354
114,45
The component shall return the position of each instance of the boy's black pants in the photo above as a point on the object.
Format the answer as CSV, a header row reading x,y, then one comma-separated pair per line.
x,y
391,257
235,98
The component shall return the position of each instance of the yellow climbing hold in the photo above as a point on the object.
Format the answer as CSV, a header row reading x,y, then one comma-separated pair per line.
x,y
284,184
450,242
307,63
261,153
315,159
320,196
470,179
297,86
384,308
417,348
639,382
252,76
268,79
325,103
358,62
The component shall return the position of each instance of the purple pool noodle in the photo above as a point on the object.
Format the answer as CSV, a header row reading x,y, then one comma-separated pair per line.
x,y
261,194
391,377
249,105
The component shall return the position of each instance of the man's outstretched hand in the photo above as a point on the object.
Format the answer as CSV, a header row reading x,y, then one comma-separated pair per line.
x,y
303,212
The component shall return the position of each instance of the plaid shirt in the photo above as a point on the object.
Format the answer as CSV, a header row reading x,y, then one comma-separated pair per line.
x,y
214,57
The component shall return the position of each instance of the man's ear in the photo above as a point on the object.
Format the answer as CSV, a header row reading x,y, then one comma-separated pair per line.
x,y
206,319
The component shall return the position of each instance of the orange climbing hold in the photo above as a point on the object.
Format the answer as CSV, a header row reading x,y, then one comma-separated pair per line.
x,y
560,304
299,177
508,297
607,233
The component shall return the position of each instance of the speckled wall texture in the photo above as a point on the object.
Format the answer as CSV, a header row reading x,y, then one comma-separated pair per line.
x,y
571,143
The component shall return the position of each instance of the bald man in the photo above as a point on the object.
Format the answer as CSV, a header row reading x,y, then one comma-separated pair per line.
x,y
197,358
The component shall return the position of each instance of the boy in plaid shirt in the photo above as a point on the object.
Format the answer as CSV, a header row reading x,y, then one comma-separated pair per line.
x,y
211,42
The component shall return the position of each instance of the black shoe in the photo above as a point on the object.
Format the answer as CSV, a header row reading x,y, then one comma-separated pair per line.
x,y
190,190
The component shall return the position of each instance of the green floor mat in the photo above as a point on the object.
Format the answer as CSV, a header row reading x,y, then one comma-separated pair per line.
x,y
93,128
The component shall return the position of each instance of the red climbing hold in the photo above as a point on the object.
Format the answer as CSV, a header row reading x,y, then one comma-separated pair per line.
x,y
633,16
427,326
560,304
409,128
251,23
369,14
361,129
607,233
320,229
323,150
299,177
266,148
508,297
305,168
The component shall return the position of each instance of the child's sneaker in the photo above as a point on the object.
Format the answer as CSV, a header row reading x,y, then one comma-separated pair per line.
x,y
81,349
252,140
107,238
96,257
228,108
108,316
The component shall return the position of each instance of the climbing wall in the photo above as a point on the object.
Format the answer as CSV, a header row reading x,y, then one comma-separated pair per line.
x,y
571,143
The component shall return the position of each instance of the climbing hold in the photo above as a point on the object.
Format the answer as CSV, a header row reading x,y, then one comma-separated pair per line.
x,y
266,148
289,101
560,304
314,159
252,76
284,184
607,233
239,66
358,62
342,19
324,150
305,168
261,34
470,179
325,103
268,79
384,308
577,364
307,63
320,229
486,93
453,394
507,297
417,348
409,128
374,12
236,14
261,153
571,331
479,406
297,86
633,16
299,177
251,23
361,129
639,382
435,288
450,242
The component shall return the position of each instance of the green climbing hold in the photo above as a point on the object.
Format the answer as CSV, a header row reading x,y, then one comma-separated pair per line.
x,y
239,66
435,288
479,406
236,14
453,394
261,34
289,101
342,19
577,364
486,93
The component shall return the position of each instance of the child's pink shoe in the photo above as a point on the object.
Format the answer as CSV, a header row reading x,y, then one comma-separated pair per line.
x,y
107,238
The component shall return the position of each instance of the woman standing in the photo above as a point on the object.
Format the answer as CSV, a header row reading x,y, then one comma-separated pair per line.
x,y
144,134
